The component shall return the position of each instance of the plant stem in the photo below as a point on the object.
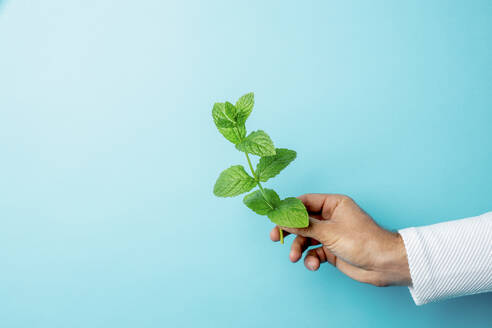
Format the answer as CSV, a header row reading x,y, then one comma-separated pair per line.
x,y
250,166
262,191
258,181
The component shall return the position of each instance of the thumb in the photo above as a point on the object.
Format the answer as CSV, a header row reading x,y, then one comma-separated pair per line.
x,y
313,230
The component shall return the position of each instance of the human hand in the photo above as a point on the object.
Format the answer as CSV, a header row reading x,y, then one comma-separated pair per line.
x,y
350,240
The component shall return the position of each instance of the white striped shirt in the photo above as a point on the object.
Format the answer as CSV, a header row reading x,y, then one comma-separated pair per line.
x,y
449,259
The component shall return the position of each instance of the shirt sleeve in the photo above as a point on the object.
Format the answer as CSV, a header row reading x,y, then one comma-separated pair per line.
x,y
449,259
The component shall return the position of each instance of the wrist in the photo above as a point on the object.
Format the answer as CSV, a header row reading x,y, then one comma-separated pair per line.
x,y
394,267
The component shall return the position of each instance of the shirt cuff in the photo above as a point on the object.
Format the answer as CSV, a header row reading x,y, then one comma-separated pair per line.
x,y
417,261
449,259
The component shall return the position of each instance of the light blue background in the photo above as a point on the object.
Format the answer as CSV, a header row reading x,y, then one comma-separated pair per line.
x,y
108,154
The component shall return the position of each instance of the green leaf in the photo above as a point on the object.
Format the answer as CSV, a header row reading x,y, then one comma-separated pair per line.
x,y
234,135
224,115
233,181
270,166
231,111
221,118
257,143
244,107
257,203
291,213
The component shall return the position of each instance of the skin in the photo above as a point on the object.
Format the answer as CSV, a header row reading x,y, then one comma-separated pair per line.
x,y
350,240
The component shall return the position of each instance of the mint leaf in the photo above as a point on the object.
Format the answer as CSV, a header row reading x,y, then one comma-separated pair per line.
x,y
221,119
291,213
234,135
244,107
257,203
257,143
270,166
225,115
233,181
231,111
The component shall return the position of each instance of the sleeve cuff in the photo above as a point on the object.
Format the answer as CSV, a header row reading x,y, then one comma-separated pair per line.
x,y
449,259
416,261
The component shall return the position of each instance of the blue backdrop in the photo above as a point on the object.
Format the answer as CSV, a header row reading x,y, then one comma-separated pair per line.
x,y
108,154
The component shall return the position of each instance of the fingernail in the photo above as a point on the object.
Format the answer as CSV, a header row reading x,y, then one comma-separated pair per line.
x,y
311,265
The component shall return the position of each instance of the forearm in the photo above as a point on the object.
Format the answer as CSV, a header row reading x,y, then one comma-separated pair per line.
x,y
449,259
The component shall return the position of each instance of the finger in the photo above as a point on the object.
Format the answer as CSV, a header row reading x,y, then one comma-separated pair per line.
x,y
313,230
299,245
313,202
275,235
330,257
314,258
321,204
316,216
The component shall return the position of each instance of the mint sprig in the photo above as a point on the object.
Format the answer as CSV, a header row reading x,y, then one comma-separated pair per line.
x,y
230,121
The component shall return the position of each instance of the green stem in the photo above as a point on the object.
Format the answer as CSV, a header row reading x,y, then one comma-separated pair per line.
x,y
261,189
250,166
258,181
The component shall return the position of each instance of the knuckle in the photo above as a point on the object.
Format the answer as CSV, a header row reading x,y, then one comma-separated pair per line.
x,y
346,199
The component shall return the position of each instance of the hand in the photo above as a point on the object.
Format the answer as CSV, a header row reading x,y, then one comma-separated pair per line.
x,y
350,240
